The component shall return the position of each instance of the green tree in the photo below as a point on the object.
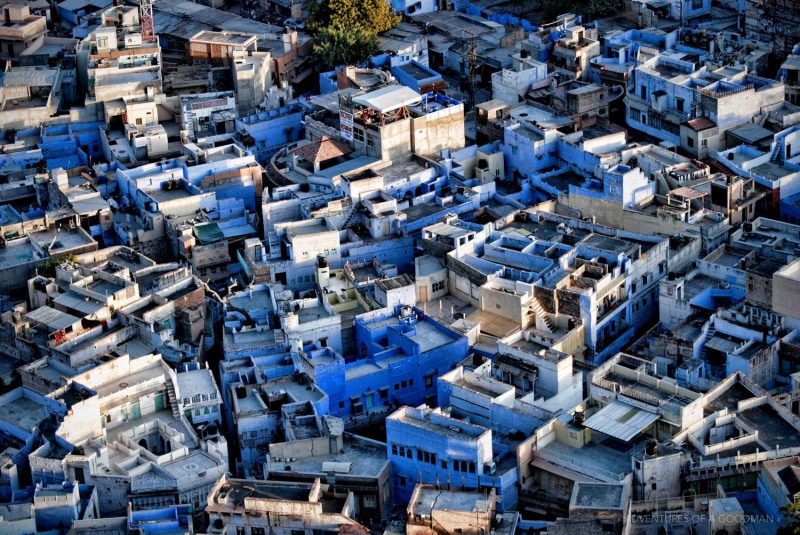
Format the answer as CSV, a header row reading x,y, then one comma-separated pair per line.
x,y
334,47
372,16
792,513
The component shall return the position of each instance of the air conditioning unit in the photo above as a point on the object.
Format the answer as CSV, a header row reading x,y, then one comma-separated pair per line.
x,y
489,468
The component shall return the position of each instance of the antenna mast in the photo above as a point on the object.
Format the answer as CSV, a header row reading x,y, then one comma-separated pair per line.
x,y
146,21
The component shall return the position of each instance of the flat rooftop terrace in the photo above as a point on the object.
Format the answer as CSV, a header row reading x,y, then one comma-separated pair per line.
x,y
467,430
253,300
18,253
23,413
598,496
772,428
430,499
62,240
601,459
364,459
730,398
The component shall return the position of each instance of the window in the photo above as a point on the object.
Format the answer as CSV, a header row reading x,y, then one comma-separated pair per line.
x,y
704,143
471,467
358,134
444,464
404,384
429,380
402,451
384,393
419,454
679,103
411,382
408,454
394,449
369,501
397,387
402,481
138,121
341,404
437,286
690,142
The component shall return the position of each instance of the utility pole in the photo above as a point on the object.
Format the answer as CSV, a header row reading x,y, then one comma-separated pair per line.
x,y
469,59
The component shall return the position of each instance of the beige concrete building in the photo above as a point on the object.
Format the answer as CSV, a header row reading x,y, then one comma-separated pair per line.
x,y
115,62
249,506
19,30
786,292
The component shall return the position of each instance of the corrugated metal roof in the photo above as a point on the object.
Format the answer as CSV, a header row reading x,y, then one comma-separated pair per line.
x,y
85,305
621,421
52,318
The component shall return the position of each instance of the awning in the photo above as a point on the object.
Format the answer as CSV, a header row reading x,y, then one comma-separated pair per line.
x,y
621,421
208,233
388,99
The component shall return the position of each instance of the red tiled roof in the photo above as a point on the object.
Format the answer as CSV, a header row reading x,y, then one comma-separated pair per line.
x,y
322,150
700,123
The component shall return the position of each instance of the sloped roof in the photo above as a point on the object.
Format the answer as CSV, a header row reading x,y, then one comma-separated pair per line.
x,y
700,123
620,420
322,150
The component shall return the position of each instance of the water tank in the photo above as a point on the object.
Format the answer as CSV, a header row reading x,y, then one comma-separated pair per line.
x,y
578,418
241,392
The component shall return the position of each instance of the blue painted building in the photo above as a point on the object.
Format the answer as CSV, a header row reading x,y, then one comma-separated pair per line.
x,y
418,77
271,130
400,355
234,175
425,445
177,518
73,11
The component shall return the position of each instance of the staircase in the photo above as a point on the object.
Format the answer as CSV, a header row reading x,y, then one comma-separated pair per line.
x,y
350,216
776,151
280,337
536,306
173,399
711,331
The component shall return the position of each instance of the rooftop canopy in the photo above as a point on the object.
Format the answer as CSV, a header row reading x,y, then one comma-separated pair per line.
x,y
621,421
389,99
